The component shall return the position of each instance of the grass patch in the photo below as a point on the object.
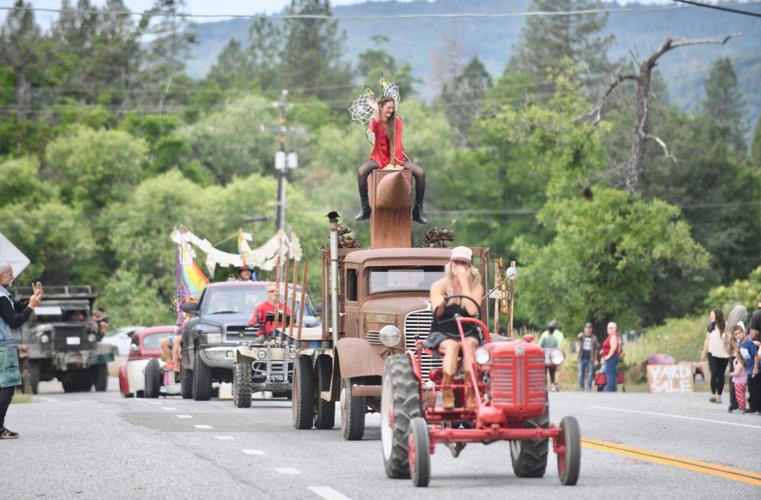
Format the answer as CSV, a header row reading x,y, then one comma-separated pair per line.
x,y
19,398
680,338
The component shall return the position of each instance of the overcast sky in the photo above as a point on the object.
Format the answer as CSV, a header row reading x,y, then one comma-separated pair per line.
x,y
234,7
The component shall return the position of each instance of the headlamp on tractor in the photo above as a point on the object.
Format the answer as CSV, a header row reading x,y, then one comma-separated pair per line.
x,y
213,338
261,354
390,336
482,356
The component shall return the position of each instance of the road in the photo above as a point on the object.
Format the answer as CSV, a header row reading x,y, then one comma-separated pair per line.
x,y
99,445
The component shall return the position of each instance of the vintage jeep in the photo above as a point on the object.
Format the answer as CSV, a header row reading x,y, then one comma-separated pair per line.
x,y
59,341
511,404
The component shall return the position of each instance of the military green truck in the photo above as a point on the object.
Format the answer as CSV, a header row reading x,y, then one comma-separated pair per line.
x,y
59,341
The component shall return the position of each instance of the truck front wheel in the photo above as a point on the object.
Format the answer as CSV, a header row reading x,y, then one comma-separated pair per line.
x,y
353,409
201,380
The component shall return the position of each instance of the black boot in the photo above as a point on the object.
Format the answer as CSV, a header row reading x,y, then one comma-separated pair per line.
x,y
364,210
417,214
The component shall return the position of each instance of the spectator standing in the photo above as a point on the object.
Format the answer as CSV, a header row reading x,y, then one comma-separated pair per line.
x,y
754,380
736,317
12,315
749,352
739,374
586,347
549,343
610,354
554,328
715,351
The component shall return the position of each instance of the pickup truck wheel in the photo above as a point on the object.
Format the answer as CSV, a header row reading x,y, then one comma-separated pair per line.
x,y
201,380
242,384
529,456
353,409
152,379
303,393
400,403
100,377
31,377
326,410
186,383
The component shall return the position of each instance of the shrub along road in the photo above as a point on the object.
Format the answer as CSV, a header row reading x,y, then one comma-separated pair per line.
x,y
99,445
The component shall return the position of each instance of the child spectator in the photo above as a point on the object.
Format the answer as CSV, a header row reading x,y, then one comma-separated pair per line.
x,y
748,350
740,381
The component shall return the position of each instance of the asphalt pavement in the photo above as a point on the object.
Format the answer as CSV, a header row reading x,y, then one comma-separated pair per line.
x,y
100,445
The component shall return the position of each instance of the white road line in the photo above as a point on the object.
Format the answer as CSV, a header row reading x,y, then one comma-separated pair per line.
x,y
224,438
184,416
327,493
47,400
668,415
286,470
202,426
169,409
253,452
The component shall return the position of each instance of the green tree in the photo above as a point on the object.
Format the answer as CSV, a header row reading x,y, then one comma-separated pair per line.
x,y
463,100
19,41
311,55
547,41
20,183
603,260
756,147
131,298
724,107
376,62
95,168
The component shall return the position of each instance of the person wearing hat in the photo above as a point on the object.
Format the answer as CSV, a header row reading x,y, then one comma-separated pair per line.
x,y
12,315
586,348
244,273
461,277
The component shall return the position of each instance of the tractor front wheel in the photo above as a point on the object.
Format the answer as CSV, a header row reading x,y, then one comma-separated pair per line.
x,y
303,393
569,462
419,452
400,403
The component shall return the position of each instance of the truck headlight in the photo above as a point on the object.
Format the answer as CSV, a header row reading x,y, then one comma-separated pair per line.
x,y
261,354
44,339
213,338
390,336
557,356
92,337
482,356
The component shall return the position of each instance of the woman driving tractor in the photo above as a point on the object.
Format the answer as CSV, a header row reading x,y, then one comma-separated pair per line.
x,y
458,292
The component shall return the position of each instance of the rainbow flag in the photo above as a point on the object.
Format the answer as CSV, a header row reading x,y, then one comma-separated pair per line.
x,y
194,278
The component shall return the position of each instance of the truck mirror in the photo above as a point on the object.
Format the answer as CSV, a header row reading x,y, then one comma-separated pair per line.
x,y
190,307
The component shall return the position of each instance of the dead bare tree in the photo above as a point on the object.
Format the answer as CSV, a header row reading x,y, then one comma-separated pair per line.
x,y
634,166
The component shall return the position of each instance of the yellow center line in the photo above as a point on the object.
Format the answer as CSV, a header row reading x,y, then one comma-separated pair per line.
x,y
743,476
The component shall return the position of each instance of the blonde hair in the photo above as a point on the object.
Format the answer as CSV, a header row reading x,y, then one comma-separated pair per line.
x,y
474,276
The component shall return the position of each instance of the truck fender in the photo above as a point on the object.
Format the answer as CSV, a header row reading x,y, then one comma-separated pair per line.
x,y
357,358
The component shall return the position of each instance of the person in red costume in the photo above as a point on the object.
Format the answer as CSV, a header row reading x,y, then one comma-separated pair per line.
x,y
389,151
259,315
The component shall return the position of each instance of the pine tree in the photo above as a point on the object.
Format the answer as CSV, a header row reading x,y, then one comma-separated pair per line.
x,y
463,99
546,41
755,155
19,41
724,107
377,62
311,56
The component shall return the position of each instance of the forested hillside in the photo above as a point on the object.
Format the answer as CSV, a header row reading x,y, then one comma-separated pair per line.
x,y
627,208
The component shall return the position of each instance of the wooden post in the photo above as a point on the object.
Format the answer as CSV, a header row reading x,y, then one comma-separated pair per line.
x,y
303,297
390,192
511,307
293,301
285,293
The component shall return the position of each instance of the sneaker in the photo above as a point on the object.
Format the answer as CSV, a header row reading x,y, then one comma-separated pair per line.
x,y
8,434
712,399
718,399
738,412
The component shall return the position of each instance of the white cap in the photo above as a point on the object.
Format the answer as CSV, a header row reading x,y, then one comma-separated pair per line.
x,y
462,253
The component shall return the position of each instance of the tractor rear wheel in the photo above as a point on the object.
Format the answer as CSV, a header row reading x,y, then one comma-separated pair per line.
x,y
529,456
419,452
400,403
569,463
242,384
152,379
303,393
326,410
353,410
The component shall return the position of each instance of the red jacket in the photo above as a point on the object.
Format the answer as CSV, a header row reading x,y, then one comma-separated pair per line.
x,y
260,314
381,153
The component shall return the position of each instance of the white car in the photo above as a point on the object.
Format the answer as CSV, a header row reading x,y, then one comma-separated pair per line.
x,y
121,338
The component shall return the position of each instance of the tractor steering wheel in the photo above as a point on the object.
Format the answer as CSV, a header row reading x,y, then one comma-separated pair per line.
x,y
447,298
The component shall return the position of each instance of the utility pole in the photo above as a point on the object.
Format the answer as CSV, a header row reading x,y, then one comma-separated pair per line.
x,y
283,163
280,165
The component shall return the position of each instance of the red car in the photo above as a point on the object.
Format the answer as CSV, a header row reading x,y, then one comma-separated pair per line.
x,y
145,346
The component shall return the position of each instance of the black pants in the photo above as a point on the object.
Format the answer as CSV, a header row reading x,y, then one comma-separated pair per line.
x,y
754,390
417,172
732,397
718,367
551,370
6,394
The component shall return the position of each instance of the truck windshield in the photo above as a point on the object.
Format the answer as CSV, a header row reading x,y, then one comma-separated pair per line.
x,y
396,279
233,300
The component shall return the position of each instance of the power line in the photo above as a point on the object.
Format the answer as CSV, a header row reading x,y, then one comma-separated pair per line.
x,y
719,7
325,17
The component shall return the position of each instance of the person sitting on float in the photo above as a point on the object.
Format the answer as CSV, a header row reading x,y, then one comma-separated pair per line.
x,y
461,278
259,316
388,151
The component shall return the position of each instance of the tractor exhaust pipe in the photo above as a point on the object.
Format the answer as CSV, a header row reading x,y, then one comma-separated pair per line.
x,y
333,217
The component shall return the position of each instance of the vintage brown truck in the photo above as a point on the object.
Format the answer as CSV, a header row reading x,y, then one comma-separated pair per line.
x,y
376,305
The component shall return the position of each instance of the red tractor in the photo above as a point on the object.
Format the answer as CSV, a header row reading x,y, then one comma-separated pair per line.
x,y
508,380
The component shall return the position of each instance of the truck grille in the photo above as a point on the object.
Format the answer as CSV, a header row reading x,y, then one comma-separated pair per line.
x,y
64,338
418,324
233,333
